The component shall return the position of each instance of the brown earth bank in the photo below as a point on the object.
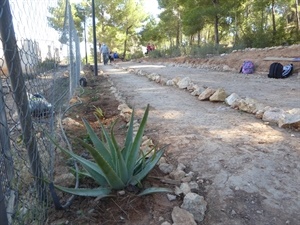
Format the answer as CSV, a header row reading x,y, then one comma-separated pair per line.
x,y
247,170
234,60
122,209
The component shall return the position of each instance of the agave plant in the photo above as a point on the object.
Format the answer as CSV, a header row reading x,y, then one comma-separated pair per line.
x,y
98,112
114,167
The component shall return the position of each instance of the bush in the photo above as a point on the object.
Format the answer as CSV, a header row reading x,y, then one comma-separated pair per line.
x,y
46,65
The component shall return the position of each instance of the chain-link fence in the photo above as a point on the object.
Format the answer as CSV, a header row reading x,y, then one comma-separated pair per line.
x,y
39,71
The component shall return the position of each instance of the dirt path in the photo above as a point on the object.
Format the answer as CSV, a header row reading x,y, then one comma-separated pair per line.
x,y
251,170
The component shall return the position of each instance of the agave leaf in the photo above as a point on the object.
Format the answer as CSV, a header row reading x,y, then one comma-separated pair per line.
x,y
92,169
129,139
140,163
134,151
119,163
155,190
98,176
114,141
110,146
88,165
91,174
89,192
149,165
98,144
80,173
112,178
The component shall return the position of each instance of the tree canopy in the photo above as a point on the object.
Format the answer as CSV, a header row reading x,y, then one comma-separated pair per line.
x,y
124,25
117,21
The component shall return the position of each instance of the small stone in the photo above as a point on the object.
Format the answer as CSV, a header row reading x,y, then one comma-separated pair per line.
x,y
166,168
186,179
121,192
181,166
160,218
177,174
166,223
185,188
171,197
178,191
194,185
233,213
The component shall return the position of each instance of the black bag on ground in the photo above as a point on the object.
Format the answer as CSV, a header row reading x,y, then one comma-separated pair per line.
x,y
275,70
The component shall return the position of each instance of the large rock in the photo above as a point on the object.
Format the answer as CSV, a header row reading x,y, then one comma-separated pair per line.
x,y
205,95
219,96
231,99
196,205
290,119
197,90
170,83
184,83
250,105
272,115
182,217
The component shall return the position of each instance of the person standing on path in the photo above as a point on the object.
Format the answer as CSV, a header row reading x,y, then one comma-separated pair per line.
x,y
105,53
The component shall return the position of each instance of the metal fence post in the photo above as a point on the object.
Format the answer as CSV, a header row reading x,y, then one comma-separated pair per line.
x,y
18,85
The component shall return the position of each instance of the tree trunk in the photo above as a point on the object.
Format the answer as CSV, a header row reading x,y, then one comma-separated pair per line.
x,y
178,33
125,42
216,25
273,20
216,30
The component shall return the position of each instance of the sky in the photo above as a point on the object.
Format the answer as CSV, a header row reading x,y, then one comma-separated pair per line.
x,y
151,6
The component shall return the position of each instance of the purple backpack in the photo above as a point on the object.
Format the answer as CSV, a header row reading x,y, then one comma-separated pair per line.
x,y
247,67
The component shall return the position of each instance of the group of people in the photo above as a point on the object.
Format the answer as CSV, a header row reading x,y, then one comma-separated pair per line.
x,y
107,54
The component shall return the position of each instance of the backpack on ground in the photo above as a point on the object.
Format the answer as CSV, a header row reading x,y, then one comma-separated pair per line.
x,y
275,70
247,67
287,70
278,71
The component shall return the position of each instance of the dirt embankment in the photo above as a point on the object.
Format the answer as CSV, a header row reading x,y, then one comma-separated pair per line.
x,y
234,60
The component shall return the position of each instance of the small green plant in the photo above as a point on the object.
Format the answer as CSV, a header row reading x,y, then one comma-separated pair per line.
x,y
98,112
113,167
94,98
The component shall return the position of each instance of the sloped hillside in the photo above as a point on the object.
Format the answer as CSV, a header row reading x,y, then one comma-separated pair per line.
x,y
233,61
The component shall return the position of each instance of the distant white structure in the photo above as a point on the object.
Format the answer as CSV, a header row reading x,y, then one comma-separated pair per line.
x,y
30,55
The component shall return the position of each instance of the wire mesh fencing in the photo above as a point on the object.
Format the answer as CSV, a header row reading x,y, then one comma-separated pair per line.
x,y
39,73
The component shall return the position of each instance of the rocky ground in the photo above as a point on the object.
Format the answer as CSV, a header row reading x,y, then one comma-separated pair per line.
x,y
226,165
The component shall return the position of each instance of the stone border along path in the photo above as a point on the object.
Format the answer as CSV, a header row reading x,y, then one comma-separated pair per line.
x,y
270,115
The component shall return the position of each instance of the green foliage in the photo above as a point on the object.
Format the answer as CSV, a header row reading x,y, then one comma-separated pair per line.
x,y
57,16
135,55
124,25
114,167
203,51
46,65
98,112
